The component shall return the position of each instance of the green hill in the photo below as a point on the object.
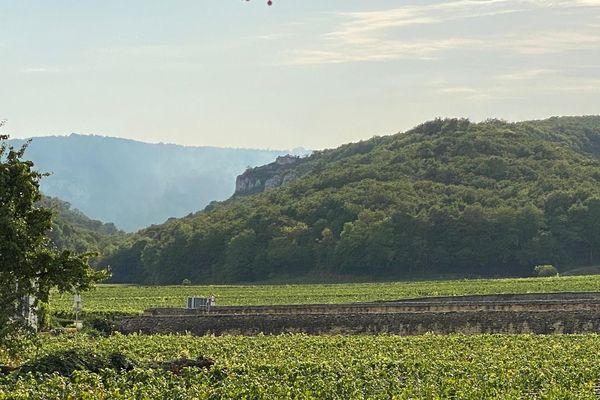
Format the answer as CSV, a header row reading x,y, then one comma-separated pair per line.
x,y
447,198
73,230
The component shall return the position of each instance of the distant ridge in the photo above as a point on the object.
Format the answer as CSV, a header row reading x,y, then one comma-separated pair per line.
x,y
136,184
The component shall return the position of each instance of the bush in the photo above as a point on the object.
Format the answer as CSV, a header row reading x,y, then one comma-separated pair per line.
x,y
186,282
100,325
66,362
545,270
15,339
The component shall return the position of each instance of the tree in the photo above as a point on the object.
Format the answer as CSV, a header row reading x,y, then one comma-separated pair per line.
x,y
239,259
545,270
28,266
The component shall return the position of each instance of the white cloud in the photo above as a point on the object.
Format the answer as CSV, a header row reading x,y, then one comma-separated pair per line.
x,y
458,90
145,50
382,51
45,70
360,26
526,74
588,3
473,93
271,36
550,42
578,86
375,35
518,84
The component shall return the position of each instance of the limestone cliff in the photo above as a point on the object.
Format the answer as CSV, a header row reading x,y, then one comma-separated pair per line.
x,y
278,173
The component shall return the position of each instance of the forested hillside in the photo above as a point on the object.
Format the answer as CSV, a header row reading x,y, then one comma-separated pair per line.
x,y
73,230
447,198
135,184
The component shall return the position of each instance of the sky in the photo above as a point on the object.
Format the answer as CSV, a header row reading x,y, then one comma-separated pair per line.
x,y
301,73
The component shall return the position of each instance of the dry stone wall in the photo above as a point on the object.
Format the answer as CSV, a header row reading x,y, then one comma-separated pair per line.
x,y
546,313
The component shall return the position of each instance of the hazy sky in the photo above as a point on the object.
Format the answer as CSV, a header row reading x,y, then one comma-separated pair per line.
x,y
312,73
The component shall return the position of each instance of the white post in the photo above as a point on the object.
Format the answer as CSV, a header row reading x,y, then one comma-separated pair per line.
x,y
77,309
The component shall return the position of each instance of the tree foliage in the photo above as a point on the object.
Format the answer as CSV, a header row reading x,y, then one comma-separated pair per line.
x,y
72,230
447,198
545,270
28,266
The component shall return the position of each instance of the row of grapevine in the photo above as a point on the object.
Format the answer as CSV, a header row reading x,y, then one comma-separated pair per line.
x,y
134,299
327,367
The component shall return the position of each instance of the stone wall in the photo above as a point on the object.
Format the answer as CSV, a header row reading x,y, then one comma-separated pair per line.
x,y
395,323
540,313
518,302
362,308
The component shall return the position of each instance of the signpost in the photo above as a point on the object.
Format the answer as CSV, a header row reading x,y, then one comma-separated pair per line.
x,y
77,309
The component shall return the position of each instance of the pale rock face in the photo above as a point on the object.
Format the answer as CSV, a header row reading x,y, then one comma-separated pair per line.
x,y
286,160
245,184
268,177
272,182
289,177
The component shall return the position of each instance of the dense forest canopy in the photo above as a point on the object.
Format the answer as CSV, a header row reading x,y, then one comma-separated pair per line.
x,y
72,230
447,198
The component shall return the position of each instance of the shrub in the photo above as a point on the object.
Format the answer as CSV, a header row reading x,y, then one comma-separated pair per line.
x,y
66,362
546,270
186,282
100,325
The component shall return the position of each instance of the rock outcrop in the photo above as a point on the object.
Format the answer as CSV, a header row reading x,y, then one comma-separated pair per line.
x,y
278,173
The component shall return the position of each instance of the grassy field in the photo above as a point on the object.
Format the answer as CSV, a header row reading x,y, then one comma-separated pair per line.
x,y
330,367
134,299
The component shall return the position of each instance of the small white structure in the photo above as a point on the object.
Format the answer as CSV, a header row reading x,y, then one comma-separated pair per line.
x,y
28,312
77,309
194,303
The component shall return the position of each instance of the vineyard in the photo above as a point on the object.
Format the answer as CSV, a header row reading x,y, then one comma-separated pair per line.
x,y
135,299
327,367
307,367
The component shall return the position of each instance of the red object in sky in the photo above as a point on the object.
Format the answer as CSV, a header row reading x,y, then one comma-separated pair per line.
x,y
270,3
